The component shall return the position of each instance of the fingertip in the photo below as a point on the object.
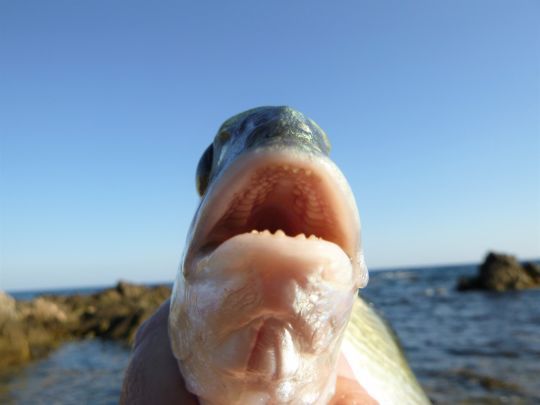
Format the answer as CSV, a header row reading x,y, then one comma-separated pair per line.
x,y
344,368
350,392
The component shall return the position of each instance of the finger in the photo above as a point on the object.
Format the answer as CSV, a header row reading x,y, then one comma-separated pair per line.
x,y
155,321
348,390
152,376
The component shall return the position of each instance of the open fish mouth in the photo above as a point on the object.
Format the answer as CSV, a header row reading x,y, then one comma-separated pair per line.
x,y
262,301
268,281
279,193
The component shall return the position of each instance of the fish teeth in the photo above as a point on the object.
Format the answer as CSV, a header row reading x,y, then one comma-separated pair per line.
x,y
300,236
313,237
279,232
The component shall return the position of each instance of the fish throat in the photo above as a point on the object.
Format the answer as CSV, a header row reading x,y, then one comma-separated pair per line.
x,y
282,200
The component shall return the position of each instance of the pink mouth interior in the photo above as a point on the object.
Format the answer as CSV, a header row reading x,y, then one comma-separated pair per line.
x,y
280,198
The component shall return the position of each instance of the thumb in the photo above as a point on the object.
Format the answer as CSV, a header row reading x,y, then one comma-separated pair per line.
x,y
349,391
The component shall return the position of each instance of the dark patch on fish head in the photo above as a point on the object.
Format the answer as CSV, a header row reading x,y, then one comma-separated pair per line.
x,y
279,128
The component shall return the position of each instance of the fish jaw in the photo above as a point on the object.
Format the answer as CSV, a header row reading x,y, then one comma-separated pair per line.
x,y
265,172
261,320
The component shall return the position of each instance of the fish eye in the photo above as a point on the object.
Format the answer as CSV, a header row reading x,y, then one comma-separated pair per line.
x,y
224,136
203,169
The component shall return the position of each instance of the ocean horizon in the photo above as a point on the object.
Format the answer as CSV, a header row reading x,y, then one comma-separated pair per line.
x,y
26,294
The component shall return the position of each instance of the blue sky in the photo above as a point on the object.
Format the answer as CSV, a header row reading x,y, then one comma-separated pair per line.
x,y
433,110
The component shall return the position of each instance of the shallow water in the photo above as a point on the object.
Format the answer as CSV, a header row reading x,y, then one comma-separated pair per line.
x,y
469,348
87,372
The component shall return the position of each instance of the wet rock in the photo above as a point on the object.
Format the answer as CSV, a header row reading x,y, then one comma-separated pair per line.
x,y
533,270
501,272
42,311
14,347
7,307
126,289
31,329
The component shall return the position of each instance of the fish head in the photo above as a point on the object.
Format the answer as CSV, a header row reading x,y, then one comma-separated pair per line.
x,y
271,267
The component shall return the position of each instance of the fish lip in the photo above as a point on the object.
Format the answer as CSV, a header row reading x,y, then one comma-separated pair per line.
x,y
235,178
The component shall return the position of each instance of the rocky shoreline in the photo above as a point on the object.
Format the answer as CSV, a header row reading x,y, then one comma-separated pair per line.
x,y
31,329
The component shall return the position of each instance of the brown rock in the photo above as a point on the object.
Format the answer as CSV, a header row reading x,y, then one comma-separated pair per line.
x,y
533,270
7,307
501,272
42,310
14,346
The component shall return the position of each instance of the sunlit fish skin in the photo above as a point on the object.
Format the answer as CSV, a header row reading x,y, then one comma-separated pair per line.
x,y
261,305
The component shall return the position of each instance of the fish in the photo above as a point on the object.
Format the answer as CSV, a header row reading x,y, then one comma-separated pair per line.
x,y
266,296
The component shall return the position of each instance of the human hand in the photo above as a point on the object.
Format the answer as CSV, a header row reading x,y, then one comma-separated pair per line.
x,y
153,376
